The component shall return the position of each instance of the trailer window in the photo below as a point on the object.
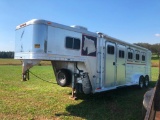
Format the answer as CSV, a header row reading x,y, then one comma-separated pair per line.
x,y
121,54
137,55
110,49
130,55
76,44
72,43
143,57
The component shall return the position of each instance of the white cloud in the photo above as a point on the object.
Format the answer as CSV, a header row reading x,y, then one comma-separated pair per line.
x,y
157,34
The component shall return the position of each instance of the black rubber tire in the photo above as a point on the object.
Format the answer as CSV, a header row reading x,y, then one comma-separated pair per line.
x,y
146,81
141,82
64,77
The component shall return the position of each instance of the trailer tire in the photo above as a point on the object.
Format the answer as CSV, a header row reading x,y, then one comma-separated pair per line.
x,y
64,77
146,81
141,82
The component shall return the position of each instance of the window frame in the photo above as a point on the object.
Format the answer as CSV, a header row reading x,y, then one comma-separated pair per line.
x,y
110,51
130,53
137,52
121,54
143,56
73,43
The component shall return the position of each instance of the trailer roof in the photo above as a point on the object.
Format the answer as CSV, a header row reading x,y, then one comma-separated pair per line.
x,y
112,39
78,29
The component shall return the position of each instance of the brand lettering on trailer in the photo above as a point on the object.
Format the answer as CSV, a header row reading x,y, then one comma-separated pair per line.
x,y
89,45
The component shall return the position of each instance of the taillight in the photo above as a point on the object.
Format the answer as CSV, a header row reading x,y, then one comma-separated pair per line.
x,y
22,25
49,23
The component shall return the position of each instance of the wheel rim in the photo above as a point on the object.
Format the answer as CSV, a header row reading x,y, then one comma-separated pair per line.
x,y
61,78
146,82
141,84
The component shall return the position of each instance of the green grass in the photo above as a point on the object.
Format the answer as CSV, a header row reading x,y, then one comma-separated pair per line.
x,y
155,61
36,99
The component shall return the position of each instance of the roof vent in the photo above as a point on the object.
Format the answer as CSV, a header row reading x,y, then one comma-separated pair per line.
x,y
79,27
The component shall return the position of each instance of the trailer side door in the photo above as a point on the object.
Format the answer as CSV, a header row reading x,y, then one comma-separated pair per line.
x,y
110,65
121,65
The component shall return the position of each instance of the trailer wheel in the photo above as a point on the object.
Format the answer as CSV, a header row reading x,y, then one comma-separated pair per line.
x,y
141,81
146,81
64,77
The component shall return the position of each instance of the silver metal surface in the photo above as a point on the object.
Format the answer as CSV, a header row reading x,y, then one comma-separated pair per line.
x,y
121,66
38,40
110,68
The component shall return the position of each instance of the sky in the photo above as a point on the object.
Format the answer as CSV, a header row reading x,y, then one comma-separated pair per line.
x,y
133,21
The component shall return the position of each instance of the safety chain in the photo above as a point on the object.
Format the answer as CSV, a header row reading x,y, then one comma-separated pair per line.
x,y
41,78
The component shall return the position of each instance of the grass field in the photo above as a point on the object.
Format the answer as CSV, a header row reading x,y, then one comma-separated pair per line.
x,y
39,100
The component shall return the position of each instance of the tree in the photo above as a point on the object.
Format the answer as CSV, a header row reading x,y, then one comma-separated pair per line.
x,y
156,49
145,45
4,54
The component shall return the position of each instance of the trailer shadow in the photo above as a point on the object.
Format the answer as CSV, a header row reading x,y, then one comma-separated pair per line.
x,y
120,104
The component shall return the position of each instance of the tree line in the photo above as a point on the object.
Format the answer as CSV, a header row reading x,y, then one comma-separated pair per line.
x,y
4,54
154,48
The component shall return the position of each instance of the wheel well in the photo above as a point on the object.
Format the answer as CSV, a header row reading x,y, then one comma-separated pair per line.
x,y
136,77
68,77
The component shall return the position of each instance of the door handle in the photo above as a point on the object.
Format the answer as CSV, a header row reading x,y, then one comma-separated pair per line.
x,y
124,64
114,63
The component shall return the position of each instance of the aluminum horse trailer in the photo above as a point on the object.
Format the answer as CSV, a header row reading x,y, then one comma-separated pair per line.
x,y
86,61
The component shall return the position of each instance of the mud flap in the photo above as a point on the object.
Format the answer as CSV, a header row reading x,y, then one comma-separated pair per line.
x,y
86,85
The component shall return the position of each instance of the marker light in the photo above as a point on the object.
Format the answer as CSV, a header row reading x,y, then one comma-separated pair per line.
x,y
22,25
49,23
